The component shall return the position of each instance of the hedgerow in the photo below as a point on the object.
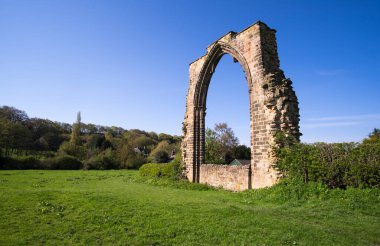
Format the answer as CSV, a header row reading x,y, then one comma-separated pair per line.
x,y
170,170
337,165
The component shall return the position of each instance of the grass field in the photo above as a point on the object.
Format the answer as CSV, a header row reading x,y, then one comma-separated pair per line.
x,y
116,207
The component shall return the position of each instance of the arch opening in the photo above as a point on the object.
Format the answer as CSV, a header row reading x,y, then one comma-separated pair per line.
x,y
218,50
238,176
227,101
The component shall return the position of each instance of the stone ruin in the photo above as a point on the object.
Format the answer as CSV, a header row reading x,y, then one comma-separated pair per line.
x,y
273,108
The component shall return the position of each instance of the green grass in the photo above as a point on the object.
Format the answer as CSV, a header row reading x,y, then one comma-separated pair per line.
x,y
116,207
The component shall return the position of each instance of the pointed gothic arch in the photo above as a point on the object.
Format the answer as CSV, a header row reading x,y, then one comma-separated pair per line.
x,y
273,108
218,50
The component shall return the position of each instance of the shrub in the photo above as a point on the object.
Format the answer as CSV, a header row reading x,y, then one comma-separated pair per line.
x,y
128,158
103,161
18,163
160,156
68,148
29,162
161,153
135,162
62,163
337,165
170,170
365,170
21,163
150,170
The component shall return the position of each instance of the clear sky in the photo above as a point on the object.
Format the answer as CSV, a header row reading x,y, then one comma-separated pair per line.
x,y
125,63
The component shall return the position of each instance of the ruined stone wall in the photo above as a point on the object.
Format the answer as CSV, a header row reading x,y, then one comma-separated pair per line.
x,y
235,178
273,102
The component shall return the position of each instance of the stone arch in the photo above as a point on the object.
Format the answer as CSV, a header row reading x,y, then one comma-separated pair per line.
x,y
273,108
217,51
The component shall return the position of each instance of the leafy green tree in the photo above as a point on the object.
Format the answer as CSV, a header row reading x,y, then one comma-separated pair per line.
x,y
96,141
116,131
177,139
165,137
128,157
160,156
14,136
114,142
213,148
226,136
66,127
89,129
242,152
103,161
75,134
157,155
219,144
153,136
69,148
41,144
54,139
373,137
12,114
74,146
52,132
142,142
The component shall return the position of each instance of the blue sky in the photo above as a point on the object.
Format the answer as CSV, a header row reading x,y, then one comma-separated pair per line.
x,y
125,63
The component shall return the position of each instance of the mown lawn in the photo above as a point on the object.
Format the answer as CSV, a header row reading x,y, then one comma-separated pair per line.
x,y
115,207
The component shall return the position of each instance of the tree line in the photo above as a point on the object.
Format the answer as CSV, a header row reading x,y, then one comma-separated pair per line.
x,y
27,141
34,143
30,140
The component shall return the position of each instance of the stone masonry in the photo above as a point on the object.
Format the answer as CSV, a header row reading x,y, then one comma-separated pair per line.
x,y
230,177
273,108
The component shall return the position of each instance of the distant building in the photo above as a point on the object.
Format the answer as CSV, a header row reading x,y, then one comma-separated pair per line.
x,y
172,156
143,151
240,162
